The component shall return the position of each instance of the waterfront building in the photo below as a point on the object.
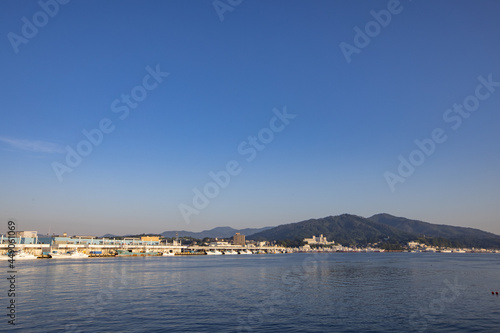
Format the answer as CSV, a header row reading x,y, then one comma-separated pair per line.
x,y
26,237
150,238
29,234
318,240
31,237
219,243
239,239
412,245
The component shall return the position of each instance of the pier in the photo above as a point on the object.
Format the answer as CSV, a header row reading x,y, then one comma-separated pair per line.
x,y
94,247
110,250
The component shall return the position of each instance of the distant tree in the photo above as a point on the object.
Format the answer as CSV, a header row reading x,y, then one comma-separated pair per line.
x,y
290,243
391,246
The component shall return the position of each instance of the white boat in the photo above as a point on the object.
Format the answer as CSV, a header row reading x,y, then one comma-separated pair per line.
x,y
214,252
57,255
230,252
168,254
246,252
77,255
19,255
69,255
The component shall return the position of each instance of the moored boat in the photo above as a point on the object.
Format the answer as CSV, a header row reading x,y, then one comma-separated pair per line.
x,y
18,255
78,255
74,254
131,253
214,252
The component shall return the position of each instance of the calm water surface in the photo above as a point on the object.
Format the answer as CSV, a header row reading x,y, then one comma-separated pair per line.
x,y
339,292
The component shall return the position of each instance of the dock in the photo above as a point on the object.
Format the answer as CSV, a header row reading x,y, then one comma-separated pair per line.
x,y
42,251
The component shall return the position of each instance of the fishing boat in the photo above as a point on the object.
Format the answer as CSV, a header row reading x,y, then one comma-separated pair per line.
x,y
132,253
18,255
230,252
74,254
213,252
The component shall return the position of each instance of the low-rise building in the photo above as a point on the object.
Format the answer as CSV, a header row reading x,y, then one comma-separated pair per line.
x,y
150,238
239,239
413,245
318,240
219,243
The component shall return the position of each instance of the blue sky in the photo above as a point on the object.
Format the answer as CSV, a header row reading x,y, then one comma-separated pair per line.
x,y
349,122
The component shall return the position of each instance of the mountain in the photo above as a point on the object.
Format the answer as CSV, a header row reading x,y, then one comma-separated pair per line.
x,y
219,232
344,229
109,236
349,229
468,237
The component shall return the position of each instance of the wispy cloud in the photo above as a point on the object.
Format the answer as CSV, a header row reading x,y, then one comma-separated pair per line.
x,y
36,146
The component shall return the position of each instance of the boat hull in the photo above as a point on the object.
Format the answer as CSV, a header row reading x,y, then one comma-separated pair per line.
x,y
19,256
130,253
69,255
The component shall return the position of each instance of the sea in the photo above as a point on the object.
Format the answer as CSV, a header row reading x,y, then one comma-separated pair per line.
x,y
315,292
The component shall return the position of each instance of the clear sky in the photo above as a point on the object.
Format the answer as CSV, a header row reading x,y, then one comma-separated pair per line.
x,y
305,115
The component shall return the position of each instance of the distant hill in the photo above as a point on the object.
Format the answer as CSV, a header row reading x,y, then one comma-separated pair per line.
x,y
344,229
219,232
468,237
350,229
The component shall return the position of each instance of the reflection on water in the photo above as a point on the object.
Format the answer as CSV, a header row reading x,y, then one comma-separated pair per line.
x,y
261,293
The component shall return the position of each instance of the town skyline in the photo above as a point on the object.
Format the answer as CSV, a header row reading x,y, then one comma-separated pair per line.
x,y
228,231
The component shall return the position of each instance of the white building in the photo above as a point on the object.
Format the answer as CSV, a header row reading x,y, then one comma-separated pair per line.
x,y
219,243
28,234
412,245
318,240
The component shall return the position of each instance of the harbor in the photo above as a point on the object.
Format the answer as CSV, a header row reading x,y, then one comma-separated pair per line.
x,y
45,251
28,245
74,247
